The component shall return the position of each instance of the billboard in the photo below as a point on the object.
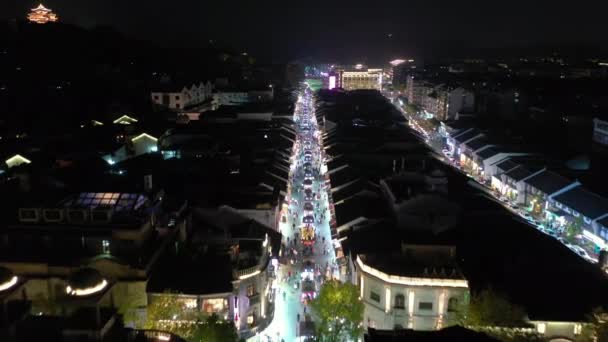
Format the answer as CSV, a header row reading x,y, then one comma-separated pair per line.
x,y
332,82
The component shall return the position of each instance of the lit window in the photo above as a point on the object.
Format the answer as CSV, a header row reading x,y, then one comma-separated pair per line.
x,y
541,328
250,319
250,290
105,244
577,328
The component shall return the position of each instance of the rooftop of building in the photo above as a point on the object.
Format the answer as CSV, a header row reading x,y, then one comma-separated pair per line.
x,y
518,173
487,153
461,138
584,202
430,261
193,270
548,181
477,143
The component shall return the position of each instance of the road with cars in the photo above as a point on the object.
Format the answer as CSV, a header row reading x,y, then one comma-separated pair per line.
x,y
435,142
307,258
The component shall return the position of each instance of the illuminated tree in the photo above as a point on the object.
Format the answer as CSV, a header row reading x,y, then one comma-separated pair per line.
x,y
339,312
169,313
215,330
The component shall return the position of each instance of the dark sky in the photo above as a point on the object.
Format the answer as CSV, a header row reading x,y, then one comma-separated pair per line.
x,y
336,29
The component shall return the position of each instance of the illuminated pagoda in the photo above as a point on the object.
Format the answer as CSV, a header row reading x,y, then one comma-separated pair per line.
x,y
42,15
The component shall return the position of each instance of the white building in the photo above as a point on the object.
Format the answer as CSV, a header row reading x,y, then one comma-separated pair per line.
x,y
419,289
361,79
177,97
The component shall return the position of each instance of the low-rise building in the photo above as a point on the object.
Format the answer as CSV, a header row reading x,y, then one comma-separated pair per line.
x,y
176,96
419,287
92,243
579,205
235,262
540,186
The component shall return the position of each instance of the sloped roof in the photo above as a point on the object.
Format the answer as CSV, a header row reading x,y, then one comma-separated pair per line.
x,y
584,201
548,182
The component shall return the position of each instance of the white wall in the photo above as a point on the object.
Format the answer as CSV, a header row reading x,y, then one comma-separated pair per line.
x,y
376,315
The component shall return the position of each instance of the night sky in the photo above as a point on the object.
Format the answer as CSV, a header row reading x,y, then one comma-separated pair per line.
x,y
331,29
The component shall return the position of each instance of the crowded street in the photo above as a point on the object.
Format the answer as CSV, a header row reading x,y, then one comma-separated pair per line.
x,y
308,257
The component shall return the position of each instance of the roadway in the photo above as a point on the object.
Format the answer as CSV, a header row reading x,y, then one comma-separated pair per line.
x,y
433,140
299,262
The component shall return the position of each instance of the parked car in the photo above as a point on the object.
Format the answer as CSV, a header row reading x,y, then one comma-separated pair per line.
x,y
308,174
580,251
308,219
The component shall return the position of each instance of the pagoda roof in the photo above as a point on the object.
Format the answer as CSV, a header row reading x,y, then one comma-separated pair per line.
x,y
41,8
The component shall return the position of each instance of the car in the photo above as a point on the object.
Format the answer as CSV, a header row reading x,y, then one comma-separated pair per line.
x,y
580,251
526,216
308,195
308,219
308,174
307,183
308,206
307,158
550,232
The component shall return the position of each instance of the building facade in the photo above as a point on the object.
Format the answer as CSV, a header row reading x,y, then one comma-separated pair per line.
x,y
177,97
424,301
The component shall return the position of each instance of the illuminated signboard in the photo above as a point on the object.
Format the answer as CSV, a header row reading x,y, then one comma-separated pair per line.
x,y
332,82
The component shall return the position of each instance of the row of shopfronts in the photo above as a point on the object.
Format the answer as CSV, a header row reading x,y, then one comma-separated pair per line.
x,y
552,200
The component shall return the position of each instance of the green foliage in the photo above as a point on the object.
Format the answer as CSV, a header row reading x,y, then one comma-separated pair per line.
x,y
597,328
489,308
338,311
168,313
412,109
214,330
574,228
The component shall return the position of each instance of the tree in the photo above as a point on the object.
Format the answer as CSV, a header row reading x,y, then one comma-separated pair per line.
x,y
574,228
491,309
169,313
597,328
215,330
412,109
339,312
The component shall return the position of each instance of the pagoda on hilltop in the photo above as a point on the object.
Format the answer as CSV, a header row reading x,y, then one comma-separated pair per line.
x,y
42,15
